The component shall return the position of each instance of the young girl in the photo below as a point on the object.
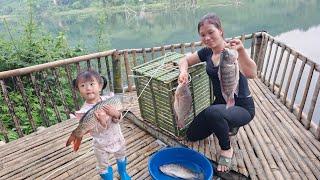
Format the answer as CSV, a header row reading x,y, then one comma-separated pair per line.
x,y
107,135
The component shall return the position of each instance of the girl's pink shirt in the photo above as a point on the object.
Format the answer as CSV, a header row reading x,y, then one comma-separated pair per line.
x,y
109,139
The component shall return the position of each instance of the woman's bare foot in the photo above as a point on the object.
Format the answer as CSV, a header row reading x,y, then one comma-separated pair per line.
x,y
228,154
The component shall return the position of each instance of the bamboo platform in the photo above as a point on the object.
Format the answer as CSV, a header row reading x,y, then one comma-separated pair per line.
x,y
275,145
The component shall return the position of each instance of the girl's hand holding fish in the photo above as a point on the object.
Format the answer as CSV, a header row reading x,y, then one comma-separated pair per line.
x,y
102,117
113,112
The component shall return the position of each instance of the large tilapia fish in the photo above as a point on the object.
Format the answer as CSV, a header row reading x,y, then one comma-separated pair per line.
x,y
179,171
182,104
229,75
89,120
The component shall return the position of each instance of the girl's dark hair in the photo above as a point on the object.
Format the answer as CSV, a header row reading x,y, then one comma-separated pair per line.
x,y
89,75
210,18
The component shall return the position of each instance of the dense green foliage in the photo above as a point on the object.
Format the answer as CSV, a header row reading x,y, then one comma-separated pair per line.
x,y
32,46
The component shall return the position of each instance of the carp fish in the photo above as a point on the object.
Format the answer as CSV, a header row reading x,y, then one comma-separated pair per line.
x,y
182,104
229,75
89,120
179,171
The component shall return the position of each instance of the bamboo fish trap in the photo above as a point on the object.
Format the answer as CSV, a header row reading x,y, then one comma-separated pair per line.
x,y
157,81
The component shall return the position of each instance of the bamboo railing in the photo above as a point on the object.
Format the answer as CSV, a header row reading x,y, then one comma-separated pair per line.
x,y
292,77
49,84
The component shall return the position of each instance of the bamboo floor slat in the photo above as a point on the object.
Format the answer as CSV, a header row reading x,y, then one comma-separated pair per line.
x,y
274,145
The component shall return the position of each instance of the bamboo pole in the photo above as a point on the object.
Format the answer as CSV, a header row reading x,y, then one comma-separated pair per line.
x,y
182,49
272,66
26,103
74,94
134,58
144,55
128,70
163,50
40,67
60,91
172,48
267,62
43,113
99,65
313,104
253,50
261,52
109,73
295,90
193,48
50,98
116,67
88,64
284,73
289,79
277,68
152,53
16,121
3,130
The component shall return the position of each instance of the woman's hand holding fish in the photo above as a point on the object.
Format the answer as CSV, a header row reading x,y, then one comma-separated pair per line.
x,y
247,66
183,78
235,44
113,112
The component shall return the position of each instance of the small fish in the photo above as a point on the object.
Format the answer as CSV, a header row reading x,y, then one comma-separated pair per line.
x,y
179,171
229,75
182,104
89,120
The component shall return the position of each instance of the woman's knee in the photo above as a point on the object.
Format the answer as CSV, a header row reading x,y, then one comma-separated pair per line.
x,y
213,114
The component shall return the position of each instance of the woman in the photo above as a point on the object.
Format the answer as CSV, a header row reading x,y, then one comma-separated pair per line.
x,y
216,118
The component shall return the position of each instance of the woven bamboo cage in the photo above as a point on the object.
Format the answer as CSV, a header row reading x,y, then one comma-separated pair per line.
x,y
156,82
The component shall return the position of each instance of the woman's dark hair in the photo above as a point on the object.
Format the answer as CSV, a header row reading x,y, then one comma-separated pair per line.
x,y
210,18
89,75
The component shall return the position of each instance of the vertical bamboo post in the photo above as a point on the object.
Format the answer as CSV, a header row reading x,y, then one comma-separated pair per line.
x,y
134,57
41,98
128,70
283,48
16,120
74,94
144,55
306,90
116,68
289,80
193,48
26,103
272,66
99,65
257,48
108,72
172,48
4,131
262,53
163,51
252,49
3,128
59,87
313,104
182,46
267,63
296,87
152,53
284,72
88,64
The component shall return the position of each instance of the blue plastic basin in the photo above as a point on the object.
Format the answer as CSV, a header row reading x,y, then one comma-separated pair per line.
x,y
179,155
